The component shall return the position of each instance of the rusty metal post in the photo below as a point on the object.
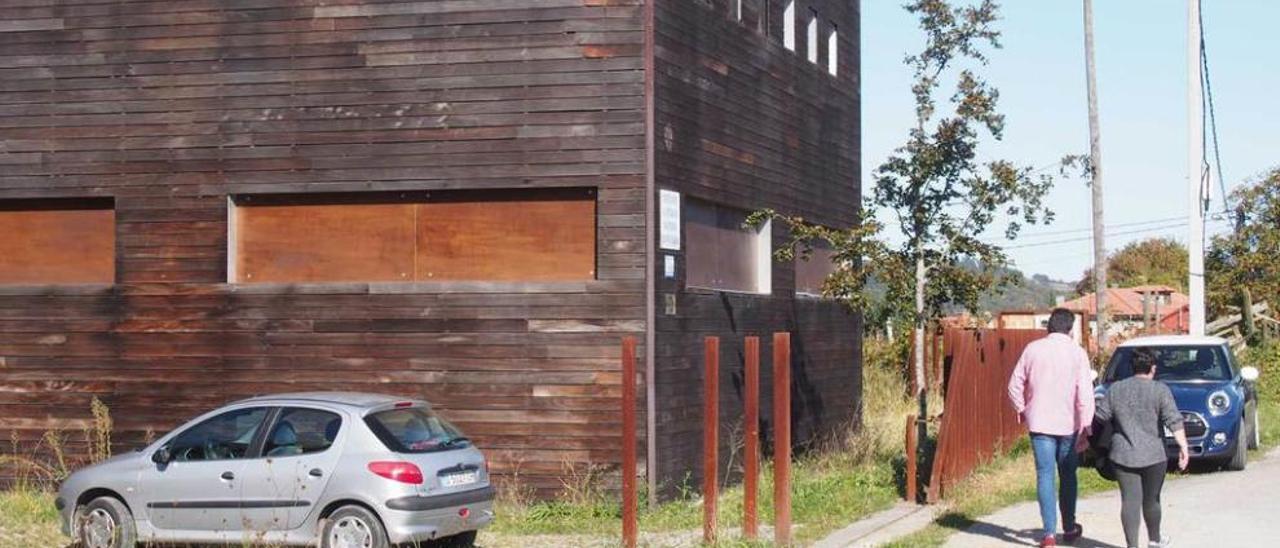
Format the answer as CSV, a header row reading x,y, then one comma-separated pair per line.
x,y
751,462
911,457
782,438
629,526
710,438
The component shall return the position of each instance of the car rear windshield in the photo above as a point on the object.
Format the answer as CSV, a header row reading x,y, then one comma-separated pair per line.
x,y
415,430
1176,363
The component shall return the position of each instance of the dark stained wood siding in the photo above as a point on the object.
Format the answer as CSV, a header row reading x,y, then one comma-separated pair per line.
x,y
171,107
741,121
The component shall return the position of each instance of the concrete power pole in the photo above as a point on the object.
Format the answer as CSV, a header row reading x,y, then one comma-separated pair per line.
x,y
1195,164
1095,182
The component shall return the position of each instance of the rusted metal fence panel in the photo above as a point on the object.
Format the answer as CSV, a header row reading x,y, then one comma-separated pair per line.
x,y
977,422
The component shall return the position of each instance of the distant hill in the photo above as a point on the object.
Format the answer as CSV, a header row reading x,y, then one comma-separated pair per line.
x,y
1038,291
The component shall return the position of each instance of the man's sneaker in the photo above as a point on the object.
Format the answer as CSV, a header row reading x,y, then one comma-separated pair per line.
x,y
1073,534
1165,542
1048,540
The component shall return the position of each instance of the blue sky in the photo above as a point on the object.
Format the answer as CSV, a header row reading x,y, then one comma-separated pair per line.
x,y
1142,75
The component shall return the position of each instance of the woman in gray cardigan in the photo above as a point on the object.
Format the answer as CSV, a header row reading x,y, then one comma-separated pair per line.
x,y
1139,408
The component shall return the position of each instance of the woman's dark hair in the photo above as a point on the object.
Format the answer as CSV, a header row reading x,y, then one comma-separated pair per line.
x,y
1061,320
1144,360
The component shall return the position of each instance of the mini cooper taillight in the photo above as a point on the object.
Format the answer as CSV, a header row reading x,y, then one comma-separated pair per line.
x,y
403,472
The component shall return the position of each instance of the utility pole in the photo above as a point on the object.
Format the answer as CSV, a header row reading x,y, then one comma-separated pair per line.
x,y
1195,164
1095,183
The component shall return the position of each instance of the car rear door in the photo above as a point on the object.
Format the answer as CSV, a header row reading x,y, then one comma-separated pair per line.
x,y
300,452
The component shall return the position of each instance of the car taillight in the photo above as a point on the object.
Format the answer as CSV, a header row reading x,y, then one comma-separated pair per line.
x,y
403,472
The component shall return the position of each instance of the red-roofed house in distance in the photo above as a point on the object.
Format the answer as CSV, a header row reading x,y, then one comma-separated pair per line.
x,y
1157,308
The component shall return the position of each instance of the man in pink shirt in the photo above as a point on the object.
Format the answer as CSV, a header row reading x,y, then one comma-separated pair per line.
x,y
1052,391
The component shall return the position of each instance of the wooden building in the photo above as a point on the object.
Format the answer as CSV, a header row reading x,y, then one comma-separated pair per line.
x,y
470,201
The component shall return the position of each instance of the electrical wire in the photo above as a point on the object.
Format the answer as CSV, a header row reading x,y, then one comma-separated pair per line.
x,y
1089,229
1181,224
1213,118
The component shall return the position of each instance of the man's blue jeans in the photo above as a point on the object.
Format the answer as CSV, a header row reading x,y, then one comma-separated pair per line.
x,y
1055,453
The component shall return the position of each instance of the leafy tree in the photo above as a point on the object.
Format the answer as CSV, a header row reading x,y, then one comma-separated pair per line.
x,y
1154,261
939,194
1249,257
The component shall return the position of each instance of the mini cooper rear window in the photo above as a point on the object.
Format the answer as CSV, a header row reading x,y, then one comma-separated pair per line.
x,y
415,430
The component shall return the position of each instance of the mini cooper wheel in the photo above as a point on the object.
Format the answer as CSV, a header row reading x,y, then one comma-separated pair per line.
x,y
1240,459
353,527
105,523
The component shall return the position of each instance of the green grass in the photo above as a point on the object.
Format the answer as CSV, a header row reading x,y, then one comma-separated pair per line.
x,y
27,518
828,492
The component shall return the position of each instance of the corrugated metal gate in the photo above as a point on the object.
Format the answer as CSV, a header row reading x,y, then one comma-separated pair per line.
x,y
977,422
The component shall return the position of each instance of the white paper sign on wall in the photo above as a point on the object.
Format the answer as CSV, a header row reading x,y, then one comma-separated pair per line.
x,y
669,219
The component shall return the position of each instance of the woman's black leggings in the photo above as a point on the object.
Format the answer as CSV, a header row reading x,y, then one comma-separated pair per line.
x,y
1140,499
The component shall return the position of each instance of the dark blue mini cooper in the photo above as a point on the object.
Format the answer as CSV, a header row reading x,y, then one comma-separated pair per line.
x,y
1217,397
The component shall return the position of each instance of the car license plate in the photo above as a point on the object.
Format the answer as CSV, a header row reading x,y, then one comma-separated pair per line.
x,y
464,478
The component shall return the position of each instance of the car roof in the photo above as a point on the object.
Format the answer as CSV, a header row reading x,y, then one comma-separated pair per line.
x,y
1173,340
363,400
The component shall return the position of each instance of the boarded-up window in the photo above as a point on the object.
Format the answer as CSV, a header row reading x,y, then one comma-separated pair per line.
x,y
543,235
57,241
812,273
534,235
721,253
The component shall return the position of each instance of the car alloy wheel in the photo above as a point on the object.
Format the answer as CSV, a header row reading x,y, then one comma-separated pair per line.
x,y
1240,457
350,532
98,529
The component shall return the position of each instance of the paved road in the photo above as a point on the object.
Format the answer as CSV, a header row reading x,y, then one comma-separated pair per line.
x,y
1216,510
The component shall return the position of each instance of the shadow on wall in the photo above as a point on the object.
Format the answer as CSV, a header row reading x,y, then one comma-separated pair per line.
x,y
807,406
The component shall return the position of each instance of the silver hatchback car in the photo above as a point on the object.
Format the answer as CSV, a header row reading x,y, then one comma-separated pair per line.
x,y
341,470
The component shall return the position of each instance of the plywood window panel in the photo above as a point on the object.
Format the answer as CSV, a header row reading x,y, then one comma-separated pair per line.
x,y
491,235
721,253
282,241
60,241
538,235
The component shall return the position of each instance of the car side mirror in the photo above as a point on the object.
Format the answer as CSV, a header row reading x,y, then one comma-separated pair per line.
x,y
1249,374
162,456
